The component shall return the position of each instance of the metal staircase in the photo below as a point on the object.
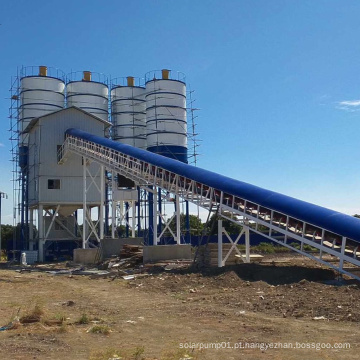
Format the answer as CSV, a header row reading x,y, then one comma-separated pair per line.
x,y
326,236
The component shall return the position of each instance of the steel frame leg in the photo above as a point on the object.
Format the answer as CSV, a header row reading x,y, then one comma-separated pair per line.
x,y
245,231
31,230
113,206
85,227
41,232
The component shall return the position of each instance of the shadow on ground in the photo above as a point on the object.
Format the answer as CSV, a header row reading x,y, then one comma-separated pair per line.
x,y
278,274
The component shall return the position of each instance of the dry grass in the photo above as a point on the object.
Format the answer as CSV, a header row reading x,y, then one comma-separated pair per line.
x,y
117,354
33,315
83,319
100,329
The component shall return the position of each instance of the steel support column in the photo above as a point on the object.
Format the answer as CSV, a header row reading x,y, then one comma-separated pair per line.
x,y
220,242
41,232
84,233
113,206
177,217
102,201
155,217
187,224
31,230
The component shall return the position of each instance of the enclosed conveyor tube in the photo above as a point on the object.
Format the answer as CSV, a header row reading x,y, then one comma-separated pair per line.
x,y
333,221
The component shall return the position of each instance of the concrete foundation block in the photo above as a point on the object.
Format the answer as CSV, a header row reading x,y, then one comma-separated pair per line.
x,y
86,256
166,252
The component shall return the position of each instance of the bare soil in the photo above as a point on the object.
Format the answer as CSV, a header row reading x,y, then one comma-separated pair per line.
x,y
285,301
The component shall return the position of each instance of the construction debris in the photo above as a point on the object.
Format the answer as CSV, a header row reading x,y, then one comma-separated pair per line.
x,y
131,251
128,265
128,277
12,325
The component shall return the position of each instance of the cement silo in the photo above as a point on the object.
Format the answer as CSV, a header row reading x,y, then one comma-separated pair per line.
x,y
166,125
40,94
128,113
87,94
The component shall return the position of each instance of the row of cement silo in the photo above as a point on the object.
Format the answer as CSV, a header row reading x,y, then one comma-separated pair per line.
x,y
152,116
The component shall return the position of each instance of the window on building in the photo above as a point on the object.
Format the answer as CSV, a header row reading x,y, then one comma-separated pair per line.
x,y
59,152
53,183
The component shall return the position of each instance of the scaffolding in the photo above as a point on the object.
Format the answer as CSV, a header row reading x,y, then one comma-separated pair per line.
x,y
14,150
192,135
19,175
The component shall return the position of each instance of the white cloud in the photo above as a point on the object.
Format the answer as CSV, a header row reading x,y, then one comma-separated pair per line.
x,y
349,105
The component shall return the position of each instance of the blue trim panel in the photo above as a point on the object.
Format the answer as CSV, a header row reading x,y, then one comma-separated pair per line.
x,y
162,132
84,81
126,86
173,152
157,92
24,106
166,120
165,106
23,156
92,108
128,112
331,220
165,80
84,94
43,90
128,137
127,99
128,124
43,77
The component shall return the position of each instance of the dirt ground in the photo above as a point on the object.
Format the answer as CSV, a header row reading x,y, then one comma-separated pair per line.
x,y
241,310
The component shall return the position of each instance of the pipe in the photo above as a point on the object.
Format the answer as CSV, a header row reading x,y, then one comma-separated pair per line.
x,y
165,74
130,81
87,76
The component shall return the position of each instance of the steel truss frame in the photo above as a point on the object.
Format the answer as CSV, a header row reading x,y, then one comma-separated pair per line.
x,y
122,215
87,219
287,231
43,231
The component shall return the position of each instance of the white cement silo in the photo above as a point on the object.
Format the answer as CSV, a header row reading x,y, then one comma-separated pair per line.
x,y
166,124
89,95
128,114
40,94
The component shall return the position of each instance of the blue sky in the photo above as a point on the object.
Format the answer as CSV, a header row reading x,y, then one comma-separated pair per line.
x,y
276,80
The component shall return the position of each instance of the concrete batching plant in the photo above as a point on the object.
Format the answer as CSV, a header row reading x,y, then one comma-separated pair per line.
x,y
67,172
49,195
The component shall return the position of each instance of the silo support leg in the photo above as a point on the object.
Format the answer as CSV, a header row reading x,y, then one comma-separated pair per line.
x,y
113,206
84,233
41,250
31,230
220,233
247,245
178,228
41,232
133,222
102,201
155,218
